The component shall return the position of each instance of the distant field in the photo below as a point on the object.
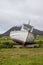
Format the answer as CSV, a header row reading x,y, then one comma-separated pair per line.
x,y
21,56
39,40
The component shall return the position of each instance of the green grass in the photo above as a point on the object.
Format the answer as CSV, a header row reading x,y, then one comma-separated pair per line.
x,y
23,56
6,39
39,40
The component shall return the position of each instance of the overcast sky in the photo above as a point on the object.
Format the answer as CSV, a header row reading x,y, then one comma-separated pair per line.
x,y
17,12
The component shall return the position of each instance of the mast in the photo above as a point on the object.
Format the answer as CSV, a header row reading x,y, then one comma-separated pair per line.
x,y
29,22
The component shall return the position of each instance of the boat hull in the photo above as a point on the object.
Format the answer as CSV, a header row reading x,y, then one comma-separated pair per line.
x,y
22,37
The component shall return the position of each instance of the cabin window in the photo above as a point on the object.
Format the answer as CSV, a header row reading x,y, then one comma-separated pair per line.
x,y
27,28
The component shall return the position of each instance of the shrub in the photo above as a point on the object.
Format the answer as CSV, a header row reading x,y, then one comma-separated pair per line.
x,y
6,43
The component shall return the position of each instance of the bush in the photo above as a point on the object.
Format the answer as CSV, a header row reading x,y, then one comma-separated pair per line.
x,y
40,42
6,43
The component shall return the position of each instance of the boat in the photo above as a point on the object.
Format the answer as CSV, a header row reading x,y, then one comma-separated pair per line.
x,y
23,36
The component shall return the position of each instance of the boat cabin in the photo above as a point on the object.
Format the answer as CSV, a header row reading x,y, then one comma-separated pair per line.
x,y
27,27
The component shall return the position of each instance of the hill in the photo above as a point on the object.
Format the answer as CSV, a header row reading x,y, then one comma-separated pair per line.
x,y
35,31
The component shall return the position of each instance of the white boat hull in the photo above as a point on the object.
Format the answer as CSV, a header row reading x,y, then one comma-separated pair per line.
x,y
22,36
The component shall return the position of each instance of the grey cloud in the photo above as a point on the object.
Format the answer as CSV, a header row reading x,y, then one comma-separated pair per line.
x,y
17,12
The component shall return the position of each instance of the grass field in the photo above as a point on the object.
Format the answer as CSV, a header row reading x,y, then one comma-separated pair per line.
x,y
21,56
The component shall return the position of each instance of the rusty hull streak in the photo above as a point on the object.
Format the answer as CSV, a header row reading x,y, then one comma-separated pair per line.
x,y
22,42
19,41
